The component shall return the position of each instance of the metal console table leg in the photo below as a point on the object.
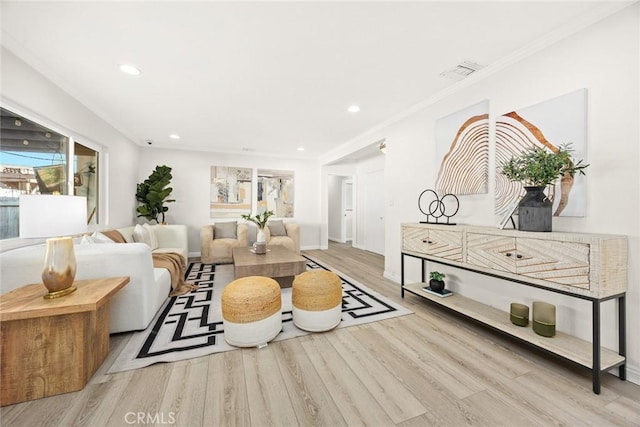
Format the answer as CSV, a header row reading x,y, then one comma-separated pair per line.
x,y
622,335
596,347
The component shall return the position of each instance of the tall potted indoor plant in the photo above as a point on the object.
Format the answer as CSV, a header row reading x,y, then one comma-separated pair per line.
x,y
537,168
153,193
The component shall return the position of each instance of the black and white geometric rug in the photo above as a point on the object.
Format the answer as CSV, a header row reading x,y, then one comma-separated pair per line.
x,y
190,325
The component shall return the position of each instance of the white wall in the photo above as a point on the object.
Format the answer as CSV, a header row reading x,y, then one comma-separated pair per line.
x,y
191,172
346,169
362,215
604,58
29,91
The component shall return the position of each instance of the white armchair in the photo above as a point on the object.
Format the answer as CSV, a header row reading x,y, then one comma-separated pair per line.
x,y
218,240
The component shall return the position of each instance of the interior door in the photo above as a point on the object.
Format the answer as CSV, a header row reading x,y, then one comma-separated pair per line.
x,y
374,212
347,215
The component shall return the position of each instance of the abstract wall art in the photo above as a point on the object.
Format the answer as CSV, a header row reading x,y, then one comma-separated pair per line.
x,y
230,194
275,192
550,124
462,148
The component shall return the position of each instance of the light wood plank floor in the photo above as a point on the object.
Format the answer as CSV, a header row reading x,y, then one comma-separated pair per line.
x,y
430,368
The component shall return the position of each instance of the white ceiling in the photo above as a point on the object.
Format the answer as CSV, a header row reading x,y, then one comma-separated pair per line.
x,y
267,76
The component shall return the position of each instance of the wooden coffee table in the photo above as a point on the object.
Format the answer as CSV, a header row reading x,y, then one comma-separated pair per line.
x,y
278,263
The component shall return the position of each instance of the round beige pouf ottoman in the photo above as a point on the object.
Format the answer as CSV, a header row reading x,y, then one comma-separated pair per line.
x,y
317,300
251,311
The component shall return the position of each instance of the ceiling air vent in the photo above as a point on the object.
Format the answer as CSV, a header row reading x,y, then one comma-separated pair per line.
x,y
462,70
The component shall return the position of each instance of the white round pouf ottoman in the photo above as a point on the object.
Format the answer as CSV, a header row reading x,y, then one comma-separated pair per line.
x,y
251,311
316,296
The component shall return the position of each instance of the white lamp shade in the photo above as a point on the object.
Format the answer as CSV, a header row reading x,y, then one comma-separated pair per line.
x,y
52,215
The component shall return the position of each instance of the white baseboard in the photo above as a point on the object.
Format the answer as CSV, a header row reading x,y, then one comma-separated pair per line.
x,y
335,239
310,247
391,277
633,374
358,246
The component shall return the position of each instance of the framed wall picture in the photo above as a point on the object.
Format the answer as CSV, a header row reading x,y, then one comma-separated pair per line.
x,y
230,191
549,124
276,192
462,148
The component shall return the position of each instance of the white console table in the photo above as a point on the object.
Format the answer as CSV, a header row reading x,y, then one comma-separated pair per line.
x,y
591,267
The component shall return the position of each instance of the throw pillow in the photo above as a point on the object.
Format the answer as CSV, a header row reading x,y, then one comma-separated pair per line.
x,y
276,228
100,238
225,230
87,240
96,237
153,238
142,234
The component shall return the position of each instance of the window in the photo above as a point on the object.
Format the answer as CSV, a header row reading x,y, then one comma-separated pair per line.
x,y
85,178
34,160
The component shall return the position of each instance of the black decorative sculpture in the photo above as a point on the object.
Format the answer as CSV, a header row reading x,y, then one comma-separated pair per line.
x,y
437,207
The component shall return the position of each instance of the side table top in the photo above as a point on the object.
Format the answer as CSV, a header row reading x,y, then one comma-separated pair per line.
x,y
28,302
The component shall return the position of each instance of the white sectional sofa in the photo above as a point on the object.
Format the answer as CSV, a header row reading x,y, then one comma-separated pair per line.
x,y
135,305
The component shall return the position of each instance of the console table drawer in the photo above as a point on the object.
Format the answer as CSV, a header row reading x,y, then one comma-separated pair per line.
x,y
443,244
565,263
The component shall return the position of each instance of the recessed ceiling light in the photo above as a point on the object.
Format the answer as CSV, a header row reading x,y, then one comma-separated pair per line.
x,y
174,136
300,148
353,108
130,69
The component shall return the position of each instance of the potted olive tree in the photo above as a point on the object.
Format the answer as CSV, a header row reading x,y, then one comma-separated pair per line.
x,y
153,193
536,169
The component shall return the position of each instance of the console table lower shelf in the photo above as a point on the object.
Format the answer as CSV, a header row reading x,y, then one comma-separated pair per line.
x,y
563,345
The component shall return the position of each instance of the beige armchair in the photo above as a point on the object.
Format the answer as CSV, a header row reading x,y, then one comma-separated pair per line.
x,y
218,240
289,238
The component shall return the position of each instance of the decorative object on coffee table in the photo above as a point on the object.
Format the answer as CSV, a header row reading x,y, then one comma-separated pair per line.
x,y
544,318
537,168
54,216
260,220
519,314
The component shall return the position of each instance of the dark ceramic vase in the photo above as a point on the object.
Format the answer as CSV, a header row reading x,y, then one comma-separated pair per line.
x,y
436,285
534,210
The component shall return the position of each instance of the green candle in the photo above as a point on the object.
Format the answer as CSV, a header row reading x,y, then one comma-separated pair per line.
x,y
544,318
519,314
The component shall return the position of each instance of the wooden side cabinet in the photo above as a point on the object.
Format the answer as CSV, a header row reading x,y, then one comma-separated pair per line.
x,y
53,346
591,267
